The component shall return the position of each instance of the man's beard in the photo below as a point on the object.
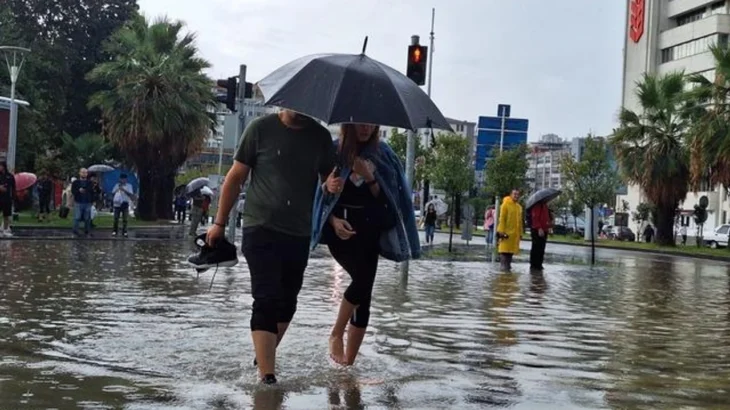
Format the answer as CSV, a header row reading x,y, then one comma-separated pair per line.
x,y
301,120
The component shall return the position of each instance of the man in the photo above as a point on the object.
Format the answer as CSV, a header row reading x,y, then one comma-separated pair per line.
x,y
683,232
82,191
509,229
123,195
45,191
286,154
7,193
196,212
540,225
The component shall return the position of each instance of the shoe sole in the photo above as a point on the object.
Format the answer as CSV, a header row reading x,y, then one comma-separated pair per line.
x,y
226,264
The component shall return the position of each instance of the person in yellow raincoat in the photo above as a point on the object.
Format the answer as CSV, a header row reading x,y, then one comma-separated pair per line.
x,y
509,229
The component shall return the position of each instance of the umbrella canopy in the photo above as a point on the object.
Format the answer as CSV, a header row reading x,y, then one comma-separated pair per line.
x,y
440,206
543,195
351,88
24,180
100,168
207,191
196,184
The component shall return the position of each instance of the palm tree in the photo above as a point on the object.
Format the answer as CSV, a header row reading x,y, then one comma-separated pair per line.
x,y
651,147
710,137
154,109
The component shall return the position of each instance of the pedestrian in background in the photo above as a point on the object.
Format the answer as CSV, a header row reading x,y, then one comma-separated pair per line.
x,y
196,212
429,223
683,233
540,222
7,195
83,194
509,229
45,192
123,196
489,225
181,208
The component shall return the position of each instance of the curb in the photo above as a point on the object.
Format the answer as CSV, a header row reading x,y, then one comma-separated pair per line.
x,y
716,258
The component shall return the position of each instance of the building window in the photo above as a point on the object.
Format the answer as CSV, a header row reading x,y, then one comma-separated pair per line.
x,y
690,48
690,17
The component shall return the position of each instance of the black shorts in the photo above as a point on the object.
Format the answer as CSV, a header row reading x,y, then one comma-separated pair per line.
x,y
276,263
6,207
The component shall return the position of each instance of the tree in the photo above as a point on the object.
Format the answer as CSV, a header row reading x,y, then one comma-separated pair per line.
x,y
560,207
700,217
643,213
451,170
66,38
710,134
84,151
398,141
651,147
592,178
154,105
507,171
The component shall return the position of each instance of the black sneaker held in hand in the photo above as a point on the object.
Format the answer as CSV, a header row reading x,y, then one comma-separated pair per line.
x,y
223,255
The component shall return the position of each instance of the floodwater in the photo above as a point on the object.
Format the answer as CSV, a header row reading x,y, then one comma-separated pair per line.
x,y
124,324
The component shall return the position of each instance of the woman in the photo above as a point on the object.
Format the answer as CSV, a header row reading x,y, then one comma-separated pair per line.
x,y
429,223
489,224
371,217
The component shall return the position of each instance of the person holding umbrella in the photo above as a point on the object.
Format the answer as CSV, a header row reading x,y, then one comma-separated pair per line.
x,y
286,155
540,223
357,223
7,193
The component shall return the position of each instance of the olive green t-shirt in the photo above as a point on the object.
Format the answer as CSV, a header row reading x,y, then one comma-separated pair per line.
x,y
286,165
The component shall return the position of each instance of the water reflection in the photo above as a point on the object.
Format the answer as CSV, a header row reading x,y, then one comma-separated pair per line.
x,y
124,324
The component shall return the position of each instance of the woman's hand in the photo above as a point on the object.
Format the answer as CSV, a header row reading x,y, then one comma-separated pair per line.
x,y
342,228
334,184
363,168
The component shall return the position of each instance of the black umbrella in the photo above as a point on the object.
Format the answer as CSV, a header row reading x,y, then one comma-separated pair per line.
x,y
543,195
341,88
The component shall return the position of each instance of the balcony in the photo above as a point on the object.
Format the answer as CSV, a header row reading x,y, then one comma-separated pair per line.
x,y
718,23
678,7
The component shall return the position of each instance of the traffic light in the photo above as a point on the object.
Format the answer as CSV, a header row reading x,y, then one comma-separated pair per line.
x,y
416,70
229,99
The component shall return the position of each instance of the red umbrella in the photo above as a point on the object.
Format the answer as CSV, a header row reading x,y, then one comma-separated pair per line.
x,y
24,180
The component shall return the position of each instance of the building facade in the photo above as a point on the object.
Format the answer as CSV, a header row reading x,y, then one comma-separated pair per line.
x,y
664,36
544,158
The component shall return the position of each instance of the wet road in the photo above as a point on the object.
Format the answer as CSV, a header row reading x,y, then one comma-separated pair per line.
x,y
124,324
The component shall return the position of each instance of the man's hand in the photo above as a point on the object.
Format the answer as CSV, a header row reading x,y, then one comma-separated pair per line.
x,y
342,228
363,168
541,232
215,233
334,184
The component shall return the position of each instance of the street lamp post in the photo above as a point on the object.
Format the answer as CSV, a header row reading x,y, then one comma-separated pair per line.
x,y
14,58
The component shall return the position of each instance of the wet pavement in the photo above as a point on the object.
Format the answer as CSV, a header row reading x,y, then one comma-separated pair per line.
x,y
124,324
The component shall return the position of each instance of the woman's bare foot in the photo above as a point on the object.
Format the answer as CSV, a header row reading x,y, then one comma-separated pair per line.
x,y
337,349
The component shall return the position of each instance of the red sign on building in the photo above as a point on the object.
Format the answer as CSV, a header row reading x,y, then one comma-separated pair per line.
x,y
636,19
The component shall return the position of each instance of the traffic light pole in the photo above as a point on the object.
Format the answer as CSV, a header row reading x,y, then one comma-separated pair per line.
x,y
496,197
425,191
410,168
240,126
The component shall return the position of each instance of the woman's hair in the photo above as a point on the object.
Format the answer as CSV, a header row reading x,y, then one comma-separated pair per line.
x,y
349,142
431,207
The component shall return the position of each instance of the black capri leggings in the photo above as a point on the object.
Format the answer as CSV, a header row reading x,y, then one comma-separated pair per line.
x,y
359,257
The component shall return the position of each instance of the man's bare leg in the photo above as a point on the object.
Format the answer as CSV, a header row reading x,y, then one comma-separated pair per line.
x,y
264,344
281,328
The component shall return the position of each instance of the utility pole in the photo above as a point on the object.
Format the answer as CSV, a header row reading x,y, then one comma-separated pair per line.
x,y
426,184
14,58
241,125
495,239
410,166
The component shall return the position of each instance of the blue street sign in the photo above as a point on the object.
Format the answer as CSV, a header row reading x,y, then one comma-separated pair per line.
x,y
503,110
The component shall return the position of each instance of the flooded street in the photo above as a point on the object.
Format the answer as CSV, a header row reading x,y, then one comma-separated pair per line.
x,y
124,324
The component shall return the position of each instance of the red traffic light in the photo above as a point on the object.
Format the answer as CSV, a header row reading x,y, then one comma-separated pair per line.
x,y
416,68
417,55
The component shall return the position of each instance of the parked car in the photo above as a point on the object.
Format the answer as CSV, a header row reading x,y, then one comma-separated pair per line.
x,y
622,233
717,238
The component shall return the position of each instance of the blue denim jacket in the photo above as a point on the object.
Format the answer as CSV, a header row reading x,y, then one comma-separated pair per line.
x,y
398,244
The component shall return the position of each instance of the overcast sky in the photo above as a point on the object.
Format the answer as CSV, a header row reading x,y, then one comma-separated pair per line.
x,y
557,62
